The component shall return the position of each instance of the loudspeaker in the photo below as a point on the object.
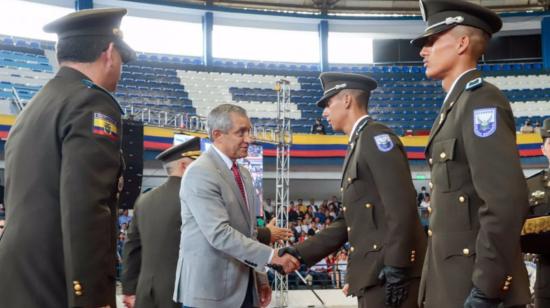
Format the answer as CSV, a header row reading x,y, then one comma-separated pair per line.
x,y
132,150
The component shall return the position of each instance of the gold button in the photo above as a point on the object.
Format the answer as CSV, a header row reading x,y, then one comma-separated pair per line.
x,y
368,205
430,161
431,185
349,229
78,293
341,189
461,199
466,251
374,246
429,209
352,249
413,259
430,233
349,180
344,208
507,283
505,288
442,155
77,287
76,282
509,278
413,252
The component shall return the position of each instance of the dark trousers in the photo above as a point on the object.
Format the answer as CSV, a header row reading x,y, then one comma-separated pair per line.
x,y
249,298
374,297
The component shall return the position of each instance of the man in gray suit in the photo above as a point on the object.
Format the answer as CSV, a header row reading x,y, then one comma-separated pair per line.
x,y
221,264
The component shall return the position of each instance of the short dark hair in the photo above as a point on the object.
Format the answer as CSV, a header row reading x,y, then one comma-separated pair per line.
x,y
84,49
362,97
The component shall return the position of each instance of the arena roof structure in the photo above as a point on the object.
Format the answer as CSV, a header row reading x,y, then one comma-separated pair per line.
x,y
359,7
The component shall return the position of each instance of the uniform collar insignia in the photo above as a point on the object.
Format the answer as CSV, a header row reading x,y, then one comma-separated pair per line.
x,y
474,84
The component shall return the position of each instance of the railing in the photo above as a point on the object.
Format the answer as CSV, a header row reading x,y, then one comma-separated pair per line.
x,y
186,122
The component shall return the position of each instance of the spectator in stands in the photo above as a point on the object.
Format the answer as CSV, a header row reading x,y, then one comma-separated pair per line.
x,y
124,218
313,206
334,201
425,203
2,224
473,139
292,212
302,208
61,200
536,128
421,195
318,128
321,215
527,128
269,209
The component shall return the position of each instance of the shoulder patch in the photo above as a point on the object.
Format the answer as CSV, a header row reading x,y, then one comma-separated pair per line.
x,y
383,142
106,126
485,122
474,84
91,85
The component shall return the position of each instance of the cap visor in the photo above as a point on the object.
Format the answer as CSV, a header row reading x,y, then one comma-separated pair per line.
x,y
126,52
323,101
421,40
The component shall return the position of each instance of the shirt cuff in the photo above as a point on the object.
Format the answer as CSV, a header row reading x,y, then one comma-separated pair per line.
x,y
271,256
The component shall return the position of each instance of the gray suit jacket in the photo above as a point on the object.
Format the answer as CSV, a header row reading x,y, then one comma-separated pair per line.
x,y
218,246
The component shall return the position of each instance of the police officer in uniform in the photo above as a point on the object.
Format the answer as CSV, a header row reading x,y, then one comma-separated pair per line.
x,y
479,202
62,168
152,245
536,237
379,217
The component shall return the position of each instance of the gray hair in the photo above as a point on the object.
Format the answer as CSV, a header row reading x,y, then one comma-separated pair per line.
x,y
219,118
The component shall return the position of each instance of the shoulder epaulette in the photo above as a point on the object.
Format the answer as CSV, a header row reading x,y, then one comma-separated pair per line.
x,y
91,85
474,84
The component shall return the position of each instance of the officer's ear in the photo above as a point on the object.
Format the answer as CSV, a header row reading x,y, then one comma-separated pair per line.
x,y
463,44
347,100
109,54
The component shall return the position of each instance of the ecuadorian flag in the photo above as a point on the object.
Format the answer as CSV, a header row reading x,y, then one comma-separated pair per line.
x,y
105,126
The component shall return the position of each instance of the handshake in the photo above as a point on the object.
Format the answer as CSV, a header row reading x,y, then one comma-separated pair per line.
x,y
285,260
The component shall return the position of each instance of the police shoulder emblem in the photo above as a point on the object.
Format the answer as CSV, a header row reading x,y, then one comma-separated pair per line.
x,y
485,122
383,142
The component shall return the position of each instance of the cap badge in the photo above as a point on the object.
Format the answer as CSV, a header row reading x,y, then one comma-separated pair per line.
x,y
337,87
447,21
118,33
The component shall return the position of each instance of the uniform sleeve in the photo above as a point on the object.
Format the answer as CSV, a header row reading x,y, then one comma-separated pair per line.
x,y
264,236
498,180
392,176
324,242
89,175
132,255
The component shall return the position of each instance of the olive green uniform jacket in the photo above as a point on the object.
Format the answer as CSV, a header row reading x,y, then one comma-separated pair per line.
x,y
62,168
479,201
380,218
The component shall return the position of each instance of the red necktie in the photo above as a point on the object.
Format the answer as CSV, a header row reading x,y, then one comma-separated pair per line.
x,y
239,181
